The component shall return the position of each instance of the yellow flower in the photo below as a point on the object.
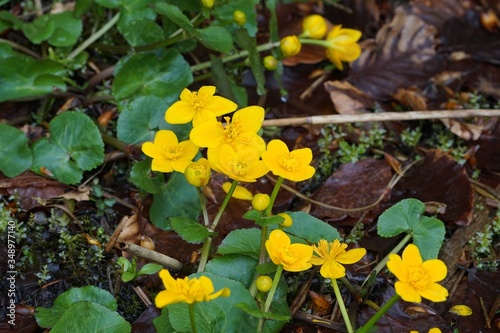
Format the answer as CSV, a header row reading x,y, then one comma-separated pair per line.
x,y
243,165
168,153
292,165
343,45
435,330
198,173
198,106
293,257
187,290
314,26
239,132
331,256
290,46
240,192
417,279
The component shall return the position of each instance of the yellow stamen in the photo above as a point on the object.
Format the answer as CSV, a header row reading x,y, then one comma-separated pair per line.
x,y
289,162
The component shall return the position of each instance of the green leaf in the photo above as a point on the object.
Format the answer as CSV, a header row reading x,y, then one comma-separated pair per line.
x,y
190,230
139,120
253,215
149,74
21,77
215,38
269,220
242,241
224,15
85,317
40,29
250,44
406,216
149,268
67,29
174,14
225,83
176,198
142,177
15,155
162,323
257,313
48,317
266,268
236,267
310,229
7,51
142,32
128,276
218,315
75,145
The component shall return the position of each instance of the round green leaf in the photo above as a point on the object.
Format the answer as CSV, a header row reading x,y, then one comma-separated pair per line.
x,y
148,74
67,29
215,38
309,228
75,145
236,267
40,29
15,155
241,241
190,230
428,236
402,217
142,177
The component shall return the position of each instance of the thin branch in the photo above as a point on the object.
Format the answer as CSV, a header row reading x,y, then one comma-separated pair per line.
x,y
382,116
153,256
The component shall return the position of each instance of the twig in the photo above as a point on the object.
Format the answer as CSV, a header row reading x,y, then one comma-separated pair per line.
x,y
485,313
118,230
21,48
152,256
382,116
144,298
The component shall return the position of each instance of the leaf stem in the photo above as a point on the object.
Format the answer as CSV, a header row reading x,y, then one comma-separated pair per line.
x,y
223,206
373,320
191,317
342,307
98,34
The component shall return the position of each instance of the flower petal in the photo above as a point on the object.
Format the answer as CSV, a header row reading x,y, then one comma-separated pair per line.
x,y
180,112
220,106
189,149
277,240
250,118
224,292
435,293
398,267
209,134
304,155
152,150
167,297
332,270
317,261
351,256
165,138
436,268
407,292
162,165
411,255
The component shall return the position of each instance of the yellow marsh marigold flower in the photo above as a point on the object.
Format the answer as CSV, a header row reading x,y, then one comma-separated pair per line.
x,y
241,130
293,257
198,173
168,153
198,106
314,26
292,165
187,290
290,46
331,256
417,279
240,192
432,330
243,165
343,45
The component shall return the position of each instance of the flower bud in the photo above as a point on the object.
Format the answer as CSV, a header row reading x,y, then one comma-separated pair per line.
x,y
290,46
207,3
239,17
287,223
270,63
260,201
198,173
314,26
264,283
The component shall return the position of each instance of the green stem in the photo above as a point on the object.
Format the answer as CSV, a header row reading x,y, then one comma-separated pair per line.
x,y
383,262
205,251
241,54
191,317
342,307
94,37
263,237
21,48
223,206
270,295
203,206
373,320
274,194
319,42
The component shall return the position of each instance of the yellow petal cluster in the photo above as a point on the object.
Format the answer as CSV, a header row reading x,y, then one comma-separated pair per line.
x,y
291,165
342,45
332,255
293,257
198,173
187,290
168,153
198,107
417,279
290,46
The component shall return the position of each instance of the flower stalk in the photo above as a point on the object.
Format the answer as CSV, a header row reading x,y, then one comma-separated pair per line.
x,y
270,295
373,320
342,307
192,318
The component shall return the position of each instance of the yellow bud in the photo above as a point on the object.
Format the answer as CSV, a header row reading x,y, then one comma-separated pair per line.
x,y
239,17
198,173
290,46
207,3
260,201
264,283
287,223
461,310
314,26
270,63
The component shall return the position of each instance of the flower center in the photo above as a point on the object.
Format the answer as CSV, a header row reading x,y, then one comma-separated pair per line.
x,y
172,152
230,131
240,167
199,170
199,101
288,256
419,277
289,161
